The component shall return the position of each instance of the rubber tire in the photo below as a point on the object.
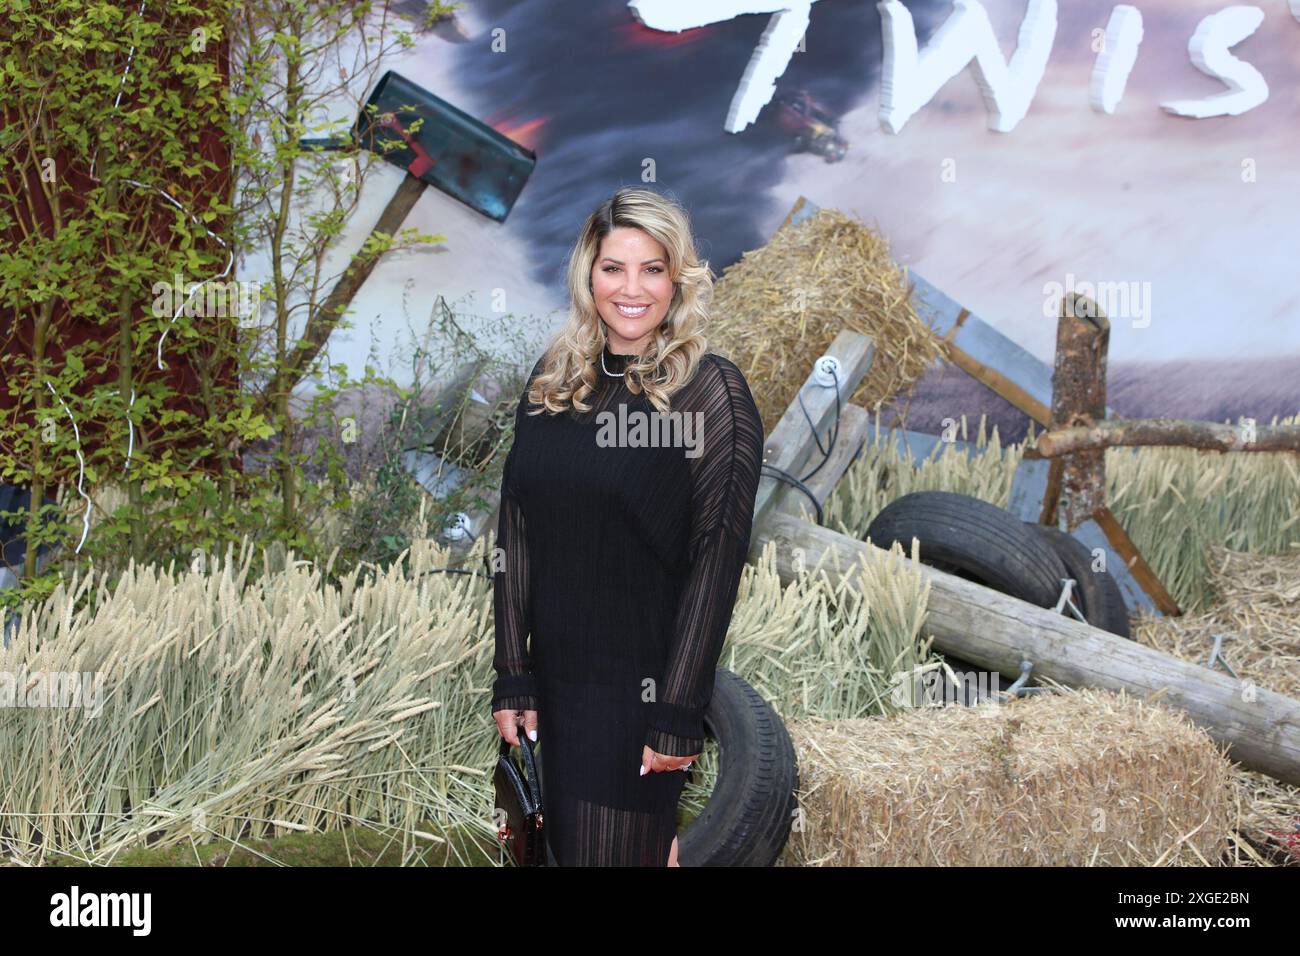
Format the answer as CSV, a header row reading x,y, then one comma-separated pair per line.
x,y
747,819
1098,596
974,539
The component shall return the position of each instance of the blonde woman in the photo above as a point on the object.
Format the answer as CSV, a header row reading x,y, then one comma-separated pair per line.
x,y
626,504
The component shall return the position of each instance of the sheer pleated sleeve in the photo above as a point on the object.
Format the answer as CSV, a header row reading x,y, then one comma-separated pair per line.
x,y
724,480
515,687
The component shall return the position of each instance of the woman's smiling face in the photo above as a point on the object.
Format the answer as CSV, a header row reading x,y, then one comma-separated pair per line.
x,y
630,283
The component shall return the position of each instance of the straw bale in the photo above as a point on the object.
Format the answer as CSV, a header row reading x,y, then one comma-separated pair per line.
x,y
1258,615
1070,778
778,309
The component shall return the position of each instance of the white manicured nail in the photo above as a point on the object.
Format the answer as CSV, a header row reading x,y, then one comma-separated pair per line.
x,y
532,735
643,770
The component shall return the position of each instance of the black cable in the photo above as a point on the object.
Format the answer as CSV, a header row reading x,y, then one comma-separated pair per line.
x,y
448,571
835,434
775,472
795,482
373,571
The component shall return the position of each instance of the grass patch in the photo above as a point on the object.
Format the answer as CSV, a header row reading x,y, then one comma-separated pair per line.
x,y
350,846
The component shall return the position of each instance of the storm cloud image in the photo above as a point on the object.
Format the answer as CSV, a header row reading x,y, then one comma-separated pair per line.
x,y
1194,220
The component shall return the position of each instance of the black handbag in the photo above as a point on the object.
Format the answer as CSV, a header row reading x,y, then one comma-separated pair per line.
x,y
519,804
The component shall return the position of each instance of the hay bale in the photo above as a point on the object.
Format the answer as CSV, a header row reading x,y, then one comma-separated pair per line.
x,y
1075,778
1257,610
779,308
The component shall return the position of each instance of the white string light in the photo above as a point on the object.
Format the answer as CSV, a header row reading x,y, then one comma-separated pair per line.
x,y
130,447
230,261
81,472
121,88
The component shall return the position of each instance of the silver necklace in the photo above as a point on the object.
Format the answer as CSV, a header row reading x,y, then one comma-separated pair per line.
x,y
606,370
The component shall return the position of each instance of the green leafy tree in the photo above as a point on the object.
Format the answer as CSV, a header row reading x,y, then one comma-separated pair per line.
x,y
109,191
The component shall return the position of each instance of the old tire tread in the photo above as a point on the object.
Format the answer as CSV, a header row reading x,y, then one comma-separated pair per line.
x,y
980,538
747,819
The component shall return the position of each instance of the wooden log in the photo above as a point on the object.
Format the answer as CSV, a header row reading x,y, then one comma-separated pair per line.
x,y
1079,397
1206,436
1076,481
1261,728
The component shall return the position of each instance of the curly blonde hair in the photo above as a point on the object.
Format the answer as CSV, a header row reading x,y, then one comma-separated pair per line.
x,y
568,369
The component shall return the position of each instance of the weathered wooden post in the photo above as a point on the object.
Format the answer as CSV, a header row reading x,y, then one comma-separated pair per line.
x,y
1079,401
1078,398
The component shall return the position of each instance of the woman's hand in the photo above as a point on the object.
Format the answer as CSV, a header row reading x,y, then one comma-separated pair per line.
x,y
508,721
652,760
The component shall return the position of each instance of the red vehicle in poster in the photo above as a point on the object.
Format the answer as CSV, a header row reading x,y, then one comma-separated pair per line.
x,y
808,122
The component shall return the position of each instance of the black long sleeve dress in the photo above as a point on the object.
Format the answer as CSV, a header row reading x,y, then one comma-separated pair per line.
x,y
621,557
